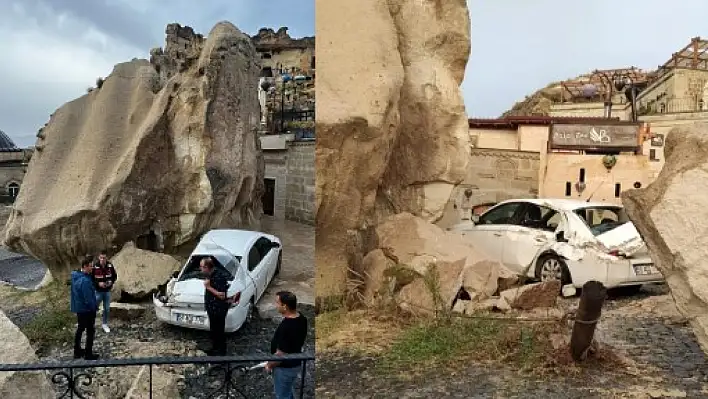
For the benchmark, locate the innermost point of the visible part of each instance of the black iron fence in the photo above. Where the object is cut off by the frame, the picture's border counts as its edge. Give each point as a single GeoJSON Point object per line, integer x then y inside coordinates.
{"type": "Point", "coordinates": [73, 379]}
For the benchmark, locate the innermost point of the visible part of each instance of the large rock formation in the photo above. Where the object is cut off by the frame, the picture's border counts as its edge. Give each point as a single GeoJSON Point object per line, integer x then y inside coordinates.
{"type": "Point", "coordinates": [166, 146]}
{"type": "Point", "coordinates": [672, 216]}
{"type": "Point", "coordinates": [16, 348]}
{"type": "Point", "coordinates": [391, 123]}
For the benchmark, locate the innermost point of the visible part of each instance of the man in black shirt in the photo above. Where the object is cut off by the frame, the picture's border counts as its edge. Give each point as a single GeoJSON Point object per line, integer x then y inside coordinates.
{"type": "Point", "coordinates": [216, 304]}
{"type": "Point", "coordinates": [289, 338]}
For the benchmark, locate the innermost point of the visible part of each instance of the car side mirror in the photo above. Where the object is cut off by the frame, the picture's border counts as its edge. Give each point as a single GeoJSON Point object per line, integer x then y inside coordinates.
{"type": "Point", "coordinates": [175, 274]}
{"type": "Point", "coordinates": [560, 237]}
{"type": "Point", "coordinates": [474, 219]}
{"type": "Point", "coordinates": [274, 245]}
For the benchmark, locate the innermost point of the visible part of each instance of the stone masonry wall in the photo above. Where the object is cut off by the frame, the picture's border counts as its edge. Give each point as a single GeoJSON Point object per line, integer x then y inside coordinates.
{"type": "Point", "coordinates": [300, 186]}
{"type": "Point", "coordinates": [493, 176]}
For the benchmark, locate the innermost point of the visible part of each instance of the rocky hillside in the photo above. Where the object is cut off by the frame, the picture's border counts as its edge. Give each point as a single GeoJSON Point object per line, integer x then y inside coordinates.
{"type": "Point", "coordinates": [538, 103]}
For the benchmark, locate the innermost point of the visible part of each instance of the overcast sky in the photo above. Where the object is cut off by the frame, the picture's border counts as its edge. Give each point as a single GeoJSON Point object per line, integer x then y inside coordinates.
{"type": "Point", "coordinates": [52, 50]}
{"type": "Point", "coordinates": [519, 46]}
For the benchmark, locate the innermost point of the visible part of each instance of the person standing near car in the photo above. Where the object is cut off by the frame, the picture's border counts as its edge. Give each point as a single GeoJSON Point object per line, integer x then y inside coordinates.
{"type": "Point", "coordinates": [289, 338]}
{"type": "Point", "coordinates": [104, 276]}
{"type": "Point", "coordinates": [84, 305]}
{"type": "Point", "coordinates": [217, 304]}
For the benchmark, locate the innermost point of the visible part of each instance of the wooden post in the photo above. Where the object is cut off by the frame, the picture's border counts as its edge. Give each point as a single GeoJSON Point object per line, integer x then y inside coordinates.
{"type": "Point", "coordinates": [591, 300]}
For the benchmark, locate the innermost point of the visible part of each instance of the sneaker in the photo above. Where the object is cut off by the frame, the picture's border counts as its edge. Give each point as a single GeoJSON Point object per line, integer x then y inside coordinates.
{"type": "Point", "coordinates": [105, 328]}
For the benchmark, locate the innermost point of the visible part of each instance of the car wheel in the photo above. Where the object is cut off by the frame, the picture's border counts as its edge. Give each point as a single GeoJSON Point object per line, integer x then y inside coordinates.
{"type": "Point", "coordinates": [277, 266]}
{"type": "Point", "coordinates": [252, 312]}
{"type": "Point", "coordinates": [552, 267]}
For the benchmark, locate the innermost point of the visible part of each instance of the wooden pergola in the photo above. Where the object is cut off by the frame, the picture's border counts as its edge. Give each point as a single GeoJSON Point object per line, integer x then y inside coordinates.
{"type": "Point", "coordinates": [693, 56]}
{"type": "Point", "coordinates": [602, 81]}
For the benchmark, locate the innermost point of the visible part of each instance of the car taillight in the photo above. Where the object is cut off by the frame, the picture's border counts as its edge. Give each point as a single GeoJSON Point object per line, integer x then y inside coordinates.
{"type": "Point", "coordinates": [236, 299]}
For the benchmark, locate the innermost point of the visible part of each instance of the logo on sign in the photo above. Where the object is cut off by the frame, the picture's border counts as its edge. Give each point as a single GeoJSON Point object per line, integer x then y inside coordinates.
{"type": "Point", "coordinates": [599, 137]}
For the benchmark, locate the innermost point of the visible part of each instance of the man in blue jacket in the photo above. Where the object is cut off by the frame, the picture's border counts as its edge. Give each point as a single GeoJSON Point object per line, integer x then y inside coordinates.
{"type": "Point", "coordinates": [84, 304]}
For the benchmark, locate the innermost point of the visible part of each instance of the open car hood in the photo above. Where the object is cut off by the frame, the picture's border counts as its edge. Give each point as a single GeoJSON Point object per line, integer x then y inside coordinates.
{"type": "Point", "coordinates": [624, 238]}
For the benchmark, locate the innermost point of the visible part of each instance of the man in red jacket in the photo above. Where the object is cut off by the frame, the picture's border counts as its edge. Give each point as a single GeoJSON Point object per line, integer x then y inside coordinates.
{"type": "Point", "coordinates": [104, 276]}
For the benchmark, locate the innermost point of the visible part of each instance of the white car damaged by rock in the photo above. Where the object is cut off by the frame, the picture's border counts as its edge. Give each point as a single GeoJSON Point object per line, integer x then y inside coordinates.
{"type": "Point", "coordinates": [250, 258]}
{"type": "Point", "coordinates": [560, 239]}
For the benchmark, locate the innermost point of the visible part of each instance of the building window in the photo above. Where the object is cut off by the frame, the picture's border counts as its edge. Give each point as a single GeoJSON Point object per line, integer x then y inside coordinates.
{"type": "Point", "coordinates": [13, 189]}
{"type": "Point", "coordinates": [662, 108]}
{"type": "Point", "coordinates": [267, 56]}
{"type": "Point", "coordinates": [568, 187]}
{"type": "Point", "coordinates": [652, 155]}
{"type": "Point", "coordinates": [701, 105]}
{"type": "Point", "coordinates": [582, 175]}
{"type": "Point", "coordinates": [618, 190]}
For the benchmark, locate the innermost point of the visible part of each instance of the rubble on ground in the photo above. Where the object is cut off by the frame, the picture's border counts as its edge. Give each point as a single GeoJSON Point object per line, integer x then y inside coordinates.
{"type": "Point", "coordinates": [532, 296]}
{"type": "Point", "coordinates": [161, 152]}
{"type": "Point", "coordinates": [392, 132]}
{"type": "Point", "coordinates": [428, 265]}
{"type": "Point", "coordinates": [672, 216]}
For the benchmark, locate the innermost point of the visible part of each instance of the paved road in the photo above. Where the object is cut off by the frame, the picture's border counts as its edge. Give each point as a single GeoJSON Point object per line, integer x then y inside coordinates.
{"type": "Point", "coordinates": [20, 270]}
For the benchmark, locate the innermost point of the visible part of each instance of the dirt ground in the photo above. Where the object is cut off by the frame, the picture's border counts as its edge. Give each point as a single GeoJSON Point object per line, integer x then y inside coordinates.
{"type": "Point", "coordinates": [654, 352]}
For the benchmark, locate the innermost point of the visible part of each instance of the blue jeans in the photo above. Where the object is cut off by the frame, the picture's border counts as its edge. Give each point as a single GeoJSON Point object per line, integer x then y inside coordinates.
{"type": "Point", "coordinates": [284, 381]}
{"type": "Point", "coordinates": [105, 298]}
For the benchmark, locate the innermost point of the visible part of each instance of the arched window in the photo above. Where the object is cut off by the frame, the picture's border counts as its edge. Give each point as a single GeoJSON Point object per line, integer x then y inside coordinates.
{"type": "Point", "coordinates": [13, 189]}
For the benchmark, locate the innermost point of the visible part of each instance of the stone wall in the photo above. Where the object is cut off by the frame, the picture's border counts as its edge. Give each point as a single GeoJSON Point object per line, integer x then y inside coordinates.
{"type": "Point", "coordinates": [494, 176]}
{"type": "Point", "coordinates": [300, 186]}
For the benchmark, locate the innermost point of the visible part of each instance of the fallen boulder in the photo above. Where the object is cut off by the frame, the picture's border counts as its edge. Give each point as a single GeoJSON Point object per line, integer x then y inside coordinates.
{"type": "Point", "coordinates": [140, 272]}
{"type": "Point", "coordinates": [671, 214]}
{"type": "Point", "coordinates": [431, 266]}
{"type": "Point", "coordinates": [127, 311]}
{"type": "Point", "coordinates": [161, 152]}
{"type": "Point", "coordinates": [392, 131]}
{"type": "Point", "coordinates": [532, 296]}
{"type": "Point", "coordinates": [16, 348]}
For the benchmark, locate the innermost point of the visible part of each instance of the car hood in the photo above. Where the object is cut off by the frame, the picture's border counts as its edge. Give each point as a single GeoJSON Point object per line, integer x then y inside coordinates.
{"type": "Point", "coordinates": [625, 239]}
{"type": "Point", "coordinates": [188, 291]}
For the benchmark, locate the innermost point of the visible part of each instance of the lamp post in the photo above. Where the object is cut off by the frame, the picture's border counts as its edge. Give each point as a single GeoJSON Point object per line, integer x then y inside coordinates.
{"type": "Point", "coordinates": [630, 91]}
{"type": "Point", "coordinates": [619, 81]}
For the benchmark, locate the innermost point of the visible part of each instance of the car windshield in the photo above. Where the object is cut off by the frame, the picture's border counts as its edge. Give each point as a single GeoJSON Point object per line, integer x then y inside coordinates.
{"type": "Point", "coordinates": [601, 219]}
{"type": "Point", "coordinates": [192, 270]}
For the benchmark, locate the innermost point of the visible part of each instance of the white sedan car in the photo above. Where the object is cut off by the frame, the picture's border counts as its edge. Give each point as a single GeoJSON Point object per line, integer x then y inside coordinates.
{"type": "Point", "coordinates": [569, 240]}
{"type": "Point", "coordinates": [251, 259]}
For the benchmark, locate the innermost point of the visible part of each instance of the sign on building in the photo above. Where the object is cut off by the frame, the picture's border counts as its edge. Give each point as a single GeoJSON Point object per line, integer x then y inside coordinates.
{"type": "Point", "coordinates": [609, 137]}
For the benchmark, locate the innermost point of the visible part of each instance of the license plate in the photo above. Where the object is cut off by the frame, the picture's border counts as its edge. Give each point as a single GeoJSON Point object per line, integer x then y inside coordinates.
{"type": "Point", "coordinates": [190, 319]}
{"type": "Point", "coordinates": [645, 270]}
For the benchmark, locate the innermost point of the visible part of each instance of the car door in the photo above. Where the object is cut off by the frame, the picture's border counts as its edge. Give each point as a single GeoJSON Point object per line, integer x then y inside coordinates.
{"type": "Point", "coordinates": [487, 234]}
{"type": "Point", "coordinates": [257, 270]}
{"type": "Point", "coordinates": [531, 233]}
{"type": "Point", "coordinates": [269, 256]}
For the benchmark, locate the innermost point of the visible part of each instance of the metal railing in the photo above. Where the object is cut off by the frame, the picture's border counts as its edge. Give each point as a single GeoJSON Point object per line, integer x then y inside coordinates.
{"type": "Point", "coordinates": [73, 378]}
{"type": "Point", "coordinates": [672, 106]}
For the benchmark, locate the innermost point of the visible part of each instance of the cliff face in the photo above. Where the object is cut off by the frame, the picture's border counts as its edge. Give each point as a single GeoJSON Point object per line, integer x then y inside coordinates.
{"type": "Point", "coordinates": [268, 38]}
{"type": "Point", "coordinates": [166, 146]}
{"type": "Point", "coordinates": [391, 124]}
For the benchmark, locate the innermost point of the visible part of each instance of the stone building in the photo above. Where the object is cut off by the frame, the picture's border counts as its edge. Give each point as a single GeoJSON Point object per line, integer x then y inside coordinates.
{"type": "Point", "coordinates": [287, 96]}
{"type": "Point", "coordinates": [13, 163]}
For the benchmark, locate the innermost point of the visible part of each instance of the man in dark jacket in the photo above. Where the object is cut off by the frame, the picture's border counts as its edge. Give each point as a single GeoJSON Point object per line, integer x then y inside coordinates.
{"type": "Point", "coordinates": [104, 276]}
{"type": "Point", "coordinates": [216, 304]}
{"type": "Point", "coordinates": [289, 338]}
{"type": "Point", "coordinates": [84, 304]}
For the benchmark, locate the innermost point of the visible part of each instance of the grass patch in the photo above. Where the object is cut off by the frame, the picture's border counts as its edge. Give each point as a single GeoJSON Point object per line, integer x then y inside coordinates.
{"type": "Point", "coordinates": [55, 323]}
{"type": "Point", "coordinates": [446, 343]}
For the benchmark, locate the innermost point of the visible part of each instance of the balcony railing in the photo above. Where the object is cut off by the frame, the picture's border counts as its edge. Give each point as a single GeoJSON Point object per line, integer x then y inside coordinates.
{"type": "Point", "coordinates": [672, 106]}
{"type": "Point", "coordinates": [73, 379]}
